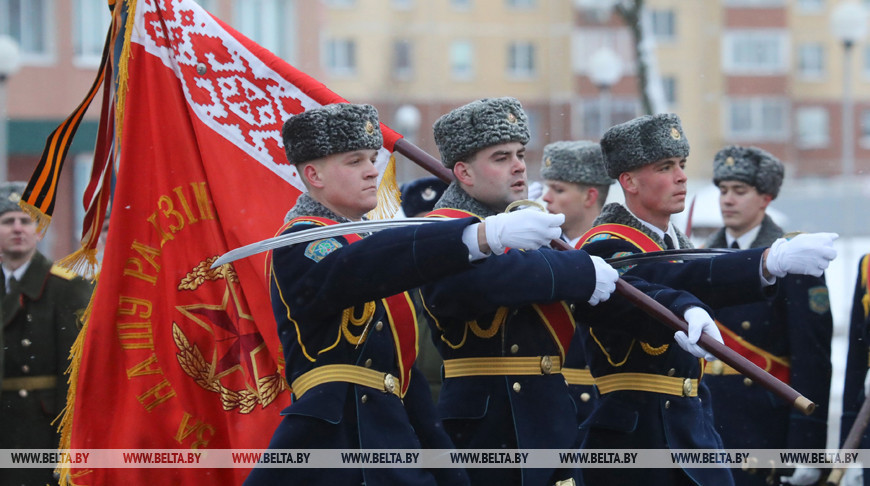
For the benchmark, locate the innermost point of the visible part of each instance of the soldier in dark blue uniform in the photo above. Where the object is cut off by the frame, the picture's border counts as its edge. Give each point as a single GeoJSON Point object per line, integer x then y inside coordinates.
{"type": "Point", "coordinates": [577, 186]}
{"type": "Point", "coordinates": [346, 325]}
{"type": "Point", "coordinates": [651, 398]}
{"type": "Point", "coordinates": [41, 305]}
{"type": "Point", "coordinates": [503, 328]}
{"type": "Point", "coordinates": [857, 379]}
{"type": "Point", "coordinates": [789, 336]}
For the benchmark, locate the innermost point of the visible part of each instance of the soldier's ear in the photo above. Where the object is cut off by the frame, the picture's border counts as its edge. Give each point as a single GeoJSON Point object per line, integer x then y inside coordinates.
{"type": "Point", "coordinates": [628, 182]}
{"type": "Point", "coordinates": [312, 175]}
{"type": "Point", "coordinates": [463, 173]}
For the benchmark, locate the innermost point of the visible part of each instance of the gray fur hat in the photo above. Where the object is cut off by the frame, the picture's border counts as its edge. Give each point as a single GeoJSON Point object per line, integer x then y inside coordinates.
{"type": "Point", "coordinates": [580, 162]}
{"type": "Point", "coordinates": [478, 125]}
{"type": "Point", "coordinates": [642, 141]}
{"type": "Point", "coordinates": [10, 194]}
{"type": "Point", "coordinates": [331, 129]}
{"type": "Point", "coordinates": [751, 165]}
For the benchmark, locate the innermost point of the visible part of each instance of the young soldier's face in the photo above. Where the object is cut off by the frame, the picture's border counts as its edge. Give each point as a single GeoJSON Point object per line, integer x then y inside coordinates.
{"type": "Point", "coordinates": [570, 199]}
{"type": "Point", "coordinates": [742, 205]}
{"type": "Point", "coordinates": [349, 182]}
{"type": "Point", "coordinates": [18, 236]}
{"type": "Point", "coordinates": [661, 186]}
{"type": "Point", "coordinates": [496, 175]}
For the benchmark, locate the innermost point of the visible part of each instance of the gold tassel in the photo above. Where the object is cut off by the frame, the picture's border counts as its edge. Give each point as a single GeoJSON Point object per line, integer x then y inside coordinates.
{"type": "Point", "coordinates": [123, 72]}
{"type": "Point", "coordinates": [82, 261]}
{"type": "Point", "coordinates": [389, 195]}
{"type": "Point", "coordinates": [41, 219]}
{"type": "Point", "coordinates": [66, 415]}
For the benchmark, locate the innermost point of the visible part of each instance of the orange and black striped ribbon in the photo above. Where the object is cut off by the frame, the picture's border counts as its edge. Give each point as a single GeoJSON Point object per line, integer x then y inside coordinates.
{"type": "Point", "coordinates": [41, 192]}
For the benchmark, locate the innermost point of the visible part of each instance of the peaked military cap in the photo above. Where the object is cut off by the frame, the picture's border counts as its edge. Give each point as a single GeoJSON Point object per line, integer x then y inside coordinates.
{"type": "Point", "coordinates": [579, 162]}
{"type": "Point", "coordinates": [10, 194]}
{"type": "Point", "coordinates": [478, 125]}
{"type": "Point", "coordinates": [421, 195]}
{"type": "Point", "coordinates": [642, 141]}
{"type": "Point", "coordinates": [331, 129]}
{"type": "Point", "coordinates": [751, 165]}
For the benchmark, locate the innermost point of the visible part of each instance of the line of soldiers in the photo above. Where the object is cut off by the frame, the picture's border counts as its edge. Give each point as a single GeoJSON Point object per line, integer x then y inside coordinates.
{"type": "Point", "coordinates": [523, 330]}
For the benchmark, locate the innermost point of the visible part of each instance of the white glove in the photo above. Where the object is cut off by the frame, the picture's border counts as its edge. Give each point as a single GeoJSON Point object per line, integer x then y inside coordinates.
{"type": "Point", "coordinates": [526, 229]}
{"type": "Point", "coordinates": [802, 475]}
{"type": "Point", "coordinates": [699, 321]}
{"type": "Point", "coordinates": [805, 254]}
{"type": "Point", "coordinates": [605, 280]}
{"type": "Point", "coordinates": [867, 384]}
{"type": "Point", "coordinates": [536, 190]}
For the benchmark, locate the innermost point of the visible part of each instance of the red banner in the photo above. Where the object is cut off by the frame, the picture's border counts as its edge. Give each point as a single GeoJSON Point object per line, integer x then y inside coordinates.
{"type": "Point", "coordinates": [174, 354]}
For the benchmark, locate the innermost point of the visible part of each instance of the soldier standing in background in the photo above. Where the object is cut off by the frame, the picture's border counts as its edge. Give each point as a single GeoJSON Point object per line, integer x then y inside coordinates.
{"type": "Point", "coordinates": [577, 186]}
{"type": "Point", "coordinates": [856, 388]}
{"type": "Point", "coordinates": [41, 305]}
{"type": "Point", "coordinates": [791, 333]}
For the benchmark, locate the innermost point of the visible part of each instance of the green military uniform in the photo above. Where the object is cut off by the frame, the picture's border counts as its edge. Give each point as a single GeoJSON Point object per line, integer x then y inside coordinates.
{"type": "Point", "coordinates": [40, 323]}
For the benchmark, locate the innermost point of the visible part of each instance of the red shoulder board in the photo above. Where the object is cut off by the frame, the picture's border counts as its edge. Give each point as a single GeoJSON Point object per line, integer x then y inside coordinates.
{"type": "Point", "coordinates": [451, 213]}
{"type": "Point", "coordinates": [619, 231]}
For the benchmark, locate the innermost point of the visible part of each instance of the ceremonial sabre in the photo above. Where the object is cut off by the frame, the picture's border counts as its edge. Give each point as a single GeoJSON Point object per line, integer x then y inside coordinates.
{"type": "Point", "coordinates": [853, 440]}
{"type": "Point", "coordinates": [317, 233]}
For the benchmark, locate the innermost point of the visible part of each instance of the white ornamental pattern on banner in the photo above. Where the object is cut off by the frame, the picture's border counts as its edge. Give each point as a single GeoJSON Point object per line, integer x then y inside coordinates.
{"type": "Point", "coordinates": [229, 88]}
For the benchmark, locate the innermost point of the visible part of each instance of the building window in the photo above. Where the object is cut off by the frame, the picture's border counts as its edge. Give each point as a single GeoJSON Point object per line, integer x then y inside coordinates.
{"type": "Point", "coordinates": [460, 4]}
{"type": "Point", "coordinates": [811, 61]}
{"type": "Point", "coordinates": [520, 3]}
{"type": "Point", "coordinates": [31, 24]}
{"type": "Point", "coordinates": [461, 60]}
{"type": "Point", "coordinates": [403, 66]}
{"type": "Point", "coordinates": [865, 128]}
{"type": "Point", "coordinates": [91, 19]}
{"type": "Point", "coordinates": [269, 23]}
{"type": "Point", "coordinates": [664, 25]}
{"type": "Point", "coordinates": [340, 3]}
{"type": "Point", "coordinates": [593, 120]}
{"type": "Point", "coordinates": [340, 56]}
{"type": "Point", "coordinates": [208, 5]}
{"type": "Point", "coordinates": [756, 52]}
{"type": "Point", "coordinates": [758, 119]}
{"type": "Point", "coordinates": [521, 59]}
{"type": "Point", "coordinates": [812, 127]}
{"type": "Point", "coordinates": [811, 5]}
{"type": "Point", "coordinates": [669, 86]}
{"type": "Point", "coordinates": [754, 3]}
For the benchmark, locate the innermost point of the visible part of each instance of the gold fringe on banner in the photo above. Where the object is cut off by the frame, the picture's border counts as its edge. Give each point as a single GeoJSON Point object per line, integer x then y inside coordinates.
{"type": "Point", "coordinates": [66, 415]}
{"type": "Point", "coordinates": [389, 195]}
{"type": "Point", "coordinates": [123, 73]}
{"type": "Point", "coordinates": [41, 219]}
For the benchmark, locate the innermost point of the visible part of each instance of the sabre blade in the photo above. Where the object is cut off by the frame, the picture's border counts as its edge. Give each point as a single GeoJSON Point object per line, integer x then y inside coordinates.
{"type": "Point", "coordinates": [317, 233]}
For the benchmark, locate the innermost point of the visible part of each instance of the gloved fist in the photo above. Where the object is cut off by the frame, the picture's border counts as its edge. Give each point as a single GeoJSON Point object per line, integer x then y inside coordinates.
{"type": "Point", "coordinates": [699, 321]}
{"type": "Point", "coordinates": [526, 229]}
{"type": "Point", "coordinates": [605, 280]}
{"type": "Point", "coordinates": [805, 254]}
{"type": "Point", "coordinates": [802, 475]}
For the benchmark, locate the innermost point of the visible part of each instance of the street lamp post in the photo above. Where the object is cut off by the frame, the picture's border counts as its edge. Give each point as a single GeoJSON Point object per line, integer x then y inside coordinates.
{"type": "Point", "coordinates": [408, 119]}
{"type": "Point", "coordinates": [848, 25]}
{"type": "Point", "coordinates": [9, 63]}
{"type": "Point", "coordinates": [605, 69]}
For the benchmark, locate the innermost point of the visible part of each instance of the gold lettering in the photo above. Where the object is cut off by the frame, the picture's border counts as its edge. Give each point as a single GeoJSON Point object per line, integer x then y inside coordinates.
{"type": "Point", "coordinates": [135, 335]}
{"type": "Point", "coordinates": [134, 304]}
{"type": "Point", "coordinates": [169, 210]}
{"type": "Point", "coordinates": [144, 368]}
{"type": "Point", "coordinates": [149, 254]}
{"type": "Point", "coordinates": [157, 395]}
{"type": "Point", "coordinates": [199, 428]}
{"type": "Point", "coordinates": [202, 201]}
{"type": "Point", "coordinates": [164, 236]}
{"type": "Point", "coordinates": [183, 201]}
